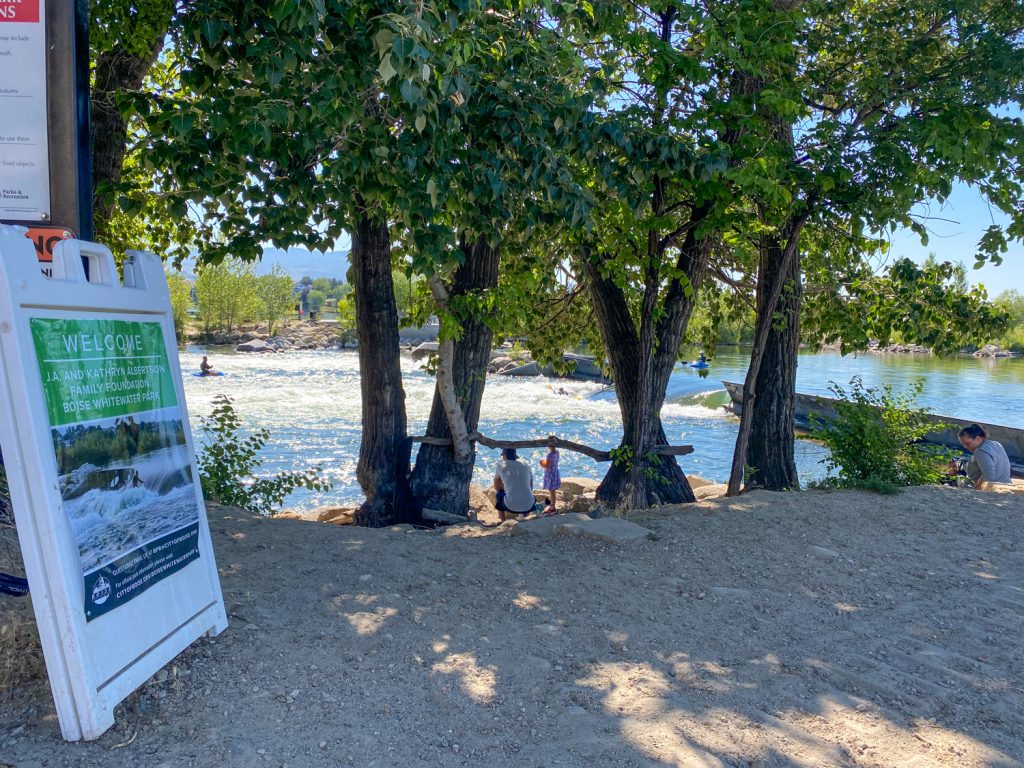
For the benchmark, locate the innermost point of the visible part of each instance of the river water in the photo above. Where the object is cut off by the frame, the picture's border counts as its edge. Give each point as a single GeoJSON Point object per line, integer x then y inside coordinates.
{"type": "Point", "coordinates": [310, 403]}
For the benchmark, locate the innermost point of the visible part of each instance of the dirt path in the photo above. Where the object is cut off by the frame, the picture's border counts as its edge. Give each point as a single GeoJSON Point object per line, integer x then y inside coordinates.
{"type": "Point", "coordinates": [806, 629]}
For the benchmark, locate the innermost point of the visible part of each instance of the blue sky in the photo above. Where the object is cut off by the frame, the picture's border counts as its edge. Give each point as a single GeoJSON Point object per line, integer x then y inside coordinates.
{"type": "Point", "coordinates": [954, 230]}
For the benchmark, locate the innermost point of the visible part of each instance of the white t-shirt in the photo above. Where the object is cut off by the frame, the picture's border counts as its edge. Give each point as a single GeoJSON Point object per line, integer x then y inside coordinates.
{"type": "Point", "coordinates": [517, 478]}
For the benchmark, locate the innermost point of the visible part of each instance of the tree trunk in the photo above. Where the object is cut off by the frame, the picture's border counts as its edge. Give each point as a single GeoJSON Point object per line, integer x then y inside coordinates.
{"type": "Point", "coordinates": [383, 467]}
{"type": "Point", "coordinates": [666, 483]}
{"type": "Point", "coordinates": [786, 259]}
{"type": "Point", "coordinates": [770, 451]}
{"type": "Point", "coordinates": [439, 481]}
{"type": "Point", "coordinates": [116, 71]}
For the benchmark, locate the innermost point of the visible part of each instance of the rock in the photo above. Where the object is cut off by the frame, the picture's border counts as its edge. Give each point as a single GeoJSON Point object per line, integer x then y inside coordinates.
{"type": "Point", "coordinates": [1015, 486]}
{"type": "Point", "coordinates": [296, 514]}
{"type": "Point", "coordinates": [526, 369]}
{"type": "Point", "coordinates": [402, 528]}
{"type": "Point", "coordinates": [696, 481]}
{"type": "Point", "coordinates": [498, 364]}
{"type": "Point", "coordinates": [992, 350]}
{"type": "Point", "coordinates": [826, 552]}
{"type": "Point", "coordinates": [613, 529]}
{"type": "Point", "coordinates": [575, 486]}
{"type": "Point", "coordinates": [256, 345]}
{"type": "Point", "coordinates": [336, 515]}
{"type": "Point", "coordinates": [714, 491]}
{"type": "Point", "coordinates": [585, 502]}
{"type": "Point", "coordinates": [424, 350]}
{"type": "Point", "coordinates": [482, 500]}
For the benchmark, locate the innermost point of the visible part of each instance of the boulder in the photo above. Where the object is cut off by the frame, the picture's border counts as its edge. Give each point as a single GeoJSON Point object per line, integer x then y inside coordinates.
{"type": "Point", "coordinates": [575, 486]}
{"type": "Point", "coordinates": [256, 345]}
{"type": "Point", "coordinates": [425, 349]}
{"type": "Point", "coordinates": [481, 501]}
{"type": "Point", "coordinates": [526, 369]}
{"type": "Point", "coordinates": [713, 491]}
{"type": "Point", "coordinates": [498, 363]}
{"type": "Point", "coordinates": [1015, 486]}
{"type": "Point", "coordinates": [336, 515]}
{"type": "Point", "coordinates": [696, 481]}
{"type": "Point", "coordinates": [584, 502]}
{"type": "Point", "coordinates": [991, 350]}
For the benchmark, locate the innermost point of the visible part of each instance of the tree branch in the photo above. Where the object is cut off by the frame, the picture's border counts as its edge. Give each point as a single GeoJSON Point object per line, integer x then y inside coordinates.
{"type": "Point", "coordinates": [445, 383]}
{"type": "Point", "coordinates": [595, 453]}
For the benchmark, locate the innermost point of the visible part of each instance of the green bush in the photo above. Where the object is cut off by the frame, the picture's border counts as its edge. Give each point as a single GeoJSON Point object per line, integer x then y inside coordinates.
{"type": "Point", "coordinates": [874, 439]}
{"type": "Point", "coordinates": [228, 463]}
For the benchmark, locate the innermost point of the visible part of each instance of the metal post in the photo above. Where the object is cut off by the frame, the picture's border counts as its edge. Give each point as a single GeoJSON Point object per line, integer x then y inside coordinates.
{"type": "Point", "coordinates": [67, 65]}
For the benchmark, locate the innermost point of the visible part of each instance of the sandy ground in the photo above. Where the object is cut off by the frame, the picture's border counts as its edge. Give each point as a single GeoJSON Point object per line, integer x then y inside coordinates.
{"type": "Point", "coordinates": [808, 629]}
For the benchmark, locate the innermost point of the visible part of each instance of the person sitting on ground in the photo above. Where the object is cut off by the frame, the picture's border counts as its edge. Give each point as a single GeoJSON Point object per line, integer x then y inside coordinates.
{"type": "Point", "coordinates": [552, 478]}
{"type": "Point", "coordinates": [205, 368]}
{"type": "Point", "coordinates": [989, 462]}
{"type": "Point", "coordinates": [513, 481]}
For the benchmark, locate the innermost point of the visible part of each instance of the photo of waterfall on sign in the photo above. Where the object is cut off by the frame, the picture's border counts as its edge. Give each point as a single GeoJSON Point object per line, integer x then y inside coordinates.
{"type": "Point", "coordinates": [125, 482]}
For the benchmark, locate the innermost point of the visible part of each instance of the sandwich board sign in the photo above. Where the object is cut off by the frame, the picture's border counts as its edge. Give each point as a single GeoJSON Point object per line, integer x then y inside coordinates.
{"type": "Point", "coordinates": [102, 473]}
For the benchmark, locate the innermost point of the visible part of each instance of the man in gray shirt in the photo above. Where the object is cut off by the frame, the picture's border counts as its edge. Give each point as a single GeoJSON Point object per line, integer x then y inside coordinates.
{"type": "Point", "coordinates": [989, 462]}
{"type": "Point", "coordinates": [513, 481]}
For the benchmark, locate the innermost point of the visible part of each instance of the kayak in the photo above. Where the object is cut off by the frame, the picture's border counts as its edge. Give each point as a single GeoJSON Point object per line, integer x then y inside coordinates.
{"type": "Point", "coordinates": [700, 365]}
{"type": "Point", "coordinates": [205, 375]}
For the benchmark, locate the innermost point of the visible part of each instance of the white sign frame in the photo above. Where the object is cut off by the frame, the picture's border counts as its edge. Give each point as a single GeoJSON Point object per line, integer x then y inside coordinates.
{"type": "Point", "coordinates": [92, 665]}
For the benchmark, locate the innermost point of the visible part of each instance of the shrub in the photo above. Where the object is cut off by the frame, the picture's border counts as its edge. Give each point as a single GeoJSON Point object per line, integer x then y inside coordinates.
{"type": "Point", "coordinates": [228, 463]}
{"type": "Point", "coordinates": [874, 441]}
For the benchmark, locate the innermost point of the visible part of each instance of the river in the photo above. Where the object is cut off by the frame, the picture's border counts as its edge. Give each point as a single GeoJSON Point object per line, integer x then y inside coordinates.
{"type": "Point", "coordinates": [310, 403]}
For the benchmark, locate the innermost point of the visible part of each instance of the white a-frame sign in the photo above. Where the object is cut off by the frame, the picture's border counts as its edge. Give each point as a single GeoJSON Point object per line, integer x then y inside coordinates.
{"type": "Point", "coordinates": [101, 467]}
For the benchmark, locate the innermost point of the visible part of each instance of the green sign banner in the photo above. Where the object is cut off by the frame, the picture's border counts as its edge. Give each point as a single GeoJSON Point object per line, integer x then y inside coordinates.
{"type": "Point", "coordinates": [123, 462]}
{"type": "Point", "coordinates": [94, 369]}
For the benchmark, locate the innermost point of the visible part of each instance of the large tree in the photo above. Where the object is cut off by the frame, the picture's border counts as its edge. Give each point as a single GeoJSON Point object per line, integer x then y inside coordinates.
{"type": "Point", "coordinates": [380, 119]}
{"type": "Point", "coordinates": [680, 149]}
{"type": "Point", "coordinates": [507, 174]}
{"type": "Point", "coordinates": [886, 107]}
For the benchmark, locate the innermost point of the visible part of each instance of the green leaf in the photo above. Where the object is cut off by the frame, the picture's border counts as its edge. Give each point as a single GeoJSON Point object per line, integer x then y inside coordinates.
{"type": "Point", "coordinates": [386, 69]}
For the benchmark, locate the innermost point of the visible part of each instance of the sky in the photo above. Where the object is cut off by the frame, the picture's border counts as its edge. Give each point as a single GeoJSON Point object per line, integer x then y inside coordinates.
{"type": "Point", "coordinates": [954, 230]}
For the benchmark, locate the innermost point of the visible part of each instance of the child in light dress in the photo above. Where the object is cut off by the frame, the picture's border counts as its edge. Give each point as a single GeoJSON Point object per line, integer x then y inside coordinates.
{"type": "Point", "coordinates": [552, 480]}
